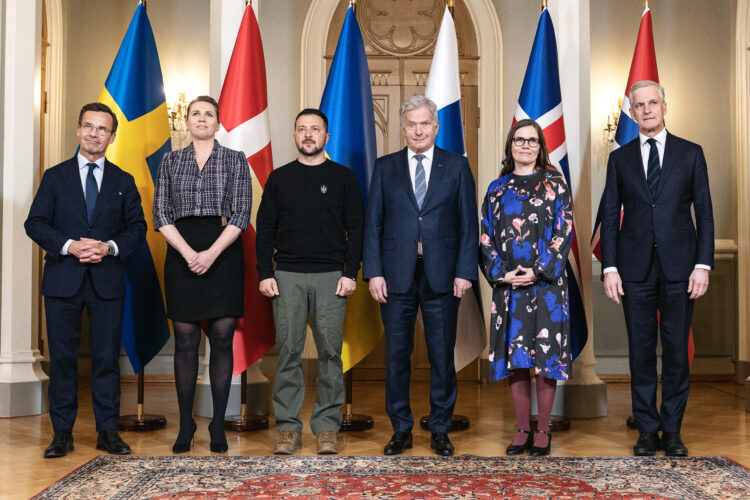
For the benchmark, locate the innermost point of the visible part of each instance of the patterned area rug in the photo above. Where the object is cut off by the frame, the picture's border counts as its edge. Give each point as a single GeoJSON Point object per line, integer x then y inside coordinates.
{"type": "Point", "coordinates": [466, 476]}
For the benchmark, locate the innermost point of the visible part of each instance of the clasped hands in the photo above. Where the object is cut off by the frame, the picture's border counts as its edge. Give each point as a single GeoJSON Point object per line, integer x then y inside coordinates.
{"type": "Point", "coordinates": [201, 262]}
{"type": "Point", "coordinates": [520, 276]}
{"type": "Point", "coordinates": [88, 250]}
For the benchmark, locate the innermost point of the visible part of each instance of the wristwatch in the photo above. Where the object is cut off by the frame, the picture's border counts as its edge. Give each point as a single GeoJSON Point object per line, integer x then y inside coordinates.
{"type": "Point", "coordinates": [110, 249]}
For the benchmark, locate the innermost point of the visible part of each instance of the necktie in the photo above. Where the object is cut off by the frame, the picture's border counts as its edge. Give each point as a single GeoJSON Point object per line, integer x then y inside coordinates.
{"type": "Point", "coordinates": [420, 185]}
{"type": "Point", "coordinates": [653, 173]}
{"type": "Point", "coordinates": [92, 190]}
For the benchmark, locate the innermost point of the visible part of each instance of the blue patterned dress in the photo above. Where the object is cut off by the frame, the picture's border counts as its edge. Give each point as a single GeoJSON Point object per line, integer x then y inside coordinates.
{"type": "Point", "coordinates": [528, 221]}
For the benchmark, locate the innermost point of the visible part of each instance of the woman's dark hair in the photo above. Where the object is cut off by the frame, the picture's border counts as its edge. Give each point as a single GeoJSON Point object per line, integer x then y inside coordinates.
{"type": "Point", "coordinates": [204, 98]}
{"type": "Point", "coordinates": [542, 159]}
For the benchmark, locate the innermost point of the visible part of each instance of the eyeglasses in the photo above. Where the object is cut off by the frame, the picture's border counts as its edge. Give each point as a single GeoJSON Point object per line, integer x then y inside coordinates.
{"type": "Point", "coordinates": [88, 127]}
{"type": "Point", "coordinates": [424, 125]}
{"type": "Point", "coordinates": [531, 141]}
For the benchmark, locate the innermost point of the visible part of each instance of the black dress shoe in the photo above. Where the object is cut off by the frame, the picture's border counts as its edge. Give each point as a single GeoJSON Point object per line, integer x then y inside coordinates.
{"type": "Point", "coordinates": [62, 443]}
{"type": "Point", "coordinates": [518, 449]}
{"type": "Point", "coordinates": [441, 444]}
{"type": "Point", "coordinates": [538, 451]}
{"type": "Point", "coordinates": [399, 442]}
{"type": "Point", "coordinates": [184, 446]}
{"type": "Point", "coordinates": [110, 442]}
{"type": "Point", "coordinates": [672, 445]}
{"type": "Point", "coordinates": [648, 443]}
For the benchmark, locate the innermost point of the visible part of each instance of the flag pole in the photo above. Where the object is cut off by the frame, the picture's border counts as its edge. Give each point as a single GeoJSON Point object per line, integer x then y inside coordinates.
{"type": "Point", "coordinates": [353, 421]}
{"type": "Point", "coordinates": [244, 422]}
{"type": "Point", "coordinates": [451, 6]}
{"type": "Point", "coordinates": [544, 5]}
{"type": "Point", "coordinates": [141, 421]}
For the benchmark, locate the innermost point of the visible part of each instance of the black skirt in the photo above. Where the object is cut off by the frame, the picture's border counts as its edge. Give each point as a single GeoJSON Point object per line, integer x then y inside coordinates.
{"type": "Point", "coordinates": [217, 293]}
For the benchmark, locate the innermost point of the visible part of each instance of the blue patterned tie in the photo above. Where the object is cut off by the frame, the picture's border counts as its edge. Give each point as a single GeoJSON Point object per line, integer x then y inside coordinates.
{"type": "Point", "coordinates": [420, 185]}
{"type": "Point", "coordinates": [92, 190]}
{"type": "Point", "coordinates": [654, 172]}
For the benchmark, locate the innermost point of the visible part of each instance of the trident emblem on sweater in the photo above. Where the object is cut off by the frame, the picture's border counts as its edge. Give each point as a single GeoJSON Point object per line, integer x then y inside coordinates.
{"type": "Point", "coordinates": [323, 188]}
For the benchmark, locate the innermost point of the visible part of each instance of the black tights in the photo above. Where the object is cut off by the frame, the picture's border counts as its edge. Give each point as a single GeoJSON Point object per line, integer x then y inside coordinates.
{"type": "Point", "coordinates": [187, 337]}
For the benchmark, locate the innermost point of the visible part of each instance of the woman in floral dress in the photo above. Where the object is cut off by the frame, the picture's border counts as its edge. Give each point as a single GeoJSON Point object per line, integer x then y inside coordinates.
{"type": "Point", "coordinates": [527, 221]}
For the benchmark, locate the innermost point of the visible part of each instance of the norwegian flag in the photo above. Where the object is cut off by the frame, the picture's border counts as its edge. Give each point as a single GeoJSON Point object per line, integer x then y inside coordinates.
{"type": "Point", "coordinates": [243, 109]}
{"type": "Point", "coordinates": [643, 67]}
{"type": "Point", "coordinates": [541, 101]}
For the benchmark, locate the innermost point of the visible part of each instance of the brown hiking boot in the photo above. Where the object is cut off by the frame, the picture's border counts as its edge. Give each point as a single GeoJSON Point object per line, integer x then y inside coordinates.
{"type": "Point", "coordinates": [327, 444]}
{"type": "Point", "coordinates": [287, 443]}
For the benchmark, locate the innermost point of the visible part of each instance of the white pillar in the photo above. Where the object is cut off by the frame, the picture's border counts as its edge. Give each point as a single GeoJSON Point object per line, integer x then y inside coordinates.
{"type": "Point", "coordinates": [22, 381]}
{"type": "Point", "coordinates": [225, 20]}
{"type": "Point", "coordinates": [584, 395]}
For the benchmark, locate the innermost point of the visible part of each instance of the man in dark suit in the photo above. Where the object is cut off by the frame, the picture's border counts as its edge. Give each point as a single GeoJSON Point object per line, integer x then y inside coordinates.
{"type": "Point", "coordinates": [420, 250]}
{"type": "Point", "coordinates": [657, 261]}
{"type": "Point", "coordinates": [87, 216]}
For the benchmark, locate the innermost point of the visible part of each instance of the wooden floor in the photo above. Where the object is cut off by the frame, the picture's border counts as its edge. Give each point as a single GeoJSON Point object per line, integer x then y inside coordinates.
{"type": "Point", "coordinates": [715, 424]}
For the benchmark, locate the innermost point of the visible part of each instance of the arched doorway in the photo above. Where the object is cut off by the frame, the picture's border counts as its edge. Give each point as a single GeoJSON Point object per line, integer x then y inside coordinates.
{"type": "Point", "coordinates": [399, 41]}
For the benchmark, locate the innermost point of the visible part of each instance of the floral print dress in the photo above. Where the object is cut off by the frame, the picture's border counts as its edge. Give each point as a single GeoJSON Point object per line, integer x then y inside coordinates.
{"type": "Point", "coordinates": [528, 221]}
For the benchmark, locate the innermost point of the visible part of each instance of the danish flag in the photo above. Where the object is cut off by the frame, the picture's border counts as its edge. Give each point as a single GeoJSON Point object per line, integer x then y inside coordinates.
{"type": "Point", "coordinates": [243, 110]}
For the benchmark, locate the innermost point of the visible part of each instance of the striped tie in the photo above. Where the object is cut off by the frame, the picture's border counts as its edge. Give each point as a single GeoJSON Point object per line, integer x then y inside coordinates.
{"type": "Point", "coordinates": [420, 185]}
{"type": "Point", "coordinates": [653, 173]}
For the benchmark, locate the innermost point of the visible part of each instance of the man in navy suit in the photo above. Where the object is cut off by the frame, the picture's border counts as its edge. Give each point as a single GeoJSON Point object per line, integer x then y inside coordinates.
{"type": "Point", "coordinates": [87, 216]}
{"type": "Point", "coordinates": [657, 260]}
{"type": "Point", "coordinates": [420, 250]}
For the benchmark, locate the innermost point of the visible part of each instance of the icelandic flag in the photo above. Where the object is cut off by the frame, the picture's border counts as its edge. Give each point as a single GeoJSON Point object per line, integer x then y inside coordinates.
{"type": "Point", "coordinates": [243, 107]}
{"type": "Point", "coordinates": [643, 67]}
{"type": "Point", "coordinates": [541, 101]}
{"type": "Point", "coordinates": [444, 88]}
{"type": "Point", "coordinates": [347, 102]}
{"type": "Point", "coordinates": [135, 91]}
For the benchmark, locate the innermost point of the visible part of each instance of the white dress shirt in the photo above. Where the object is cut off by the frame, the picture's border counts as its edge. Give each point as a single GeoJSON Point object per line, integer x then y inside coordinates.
{"type": "Point", "coordinates": [83, 171]}
{"type": "Point", "coordinates": [426, 164]}
{"type": "Point", "coordinates": [661, 139]}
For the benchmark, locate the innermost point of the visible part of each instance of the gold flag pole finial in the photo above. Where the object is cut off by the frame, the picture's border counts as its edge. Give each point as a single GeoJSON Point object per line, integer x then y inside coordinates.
{"type": "Point", "coordinates": [645, 4]}
{"type": "Point", "coordinates": [248, 2]}
{"type": "Point", "coordinates": [544, 4]}
{"type": "Point", "coordinates": [353, 3]}
{"type": "Point", "coordinates": [451, 6]}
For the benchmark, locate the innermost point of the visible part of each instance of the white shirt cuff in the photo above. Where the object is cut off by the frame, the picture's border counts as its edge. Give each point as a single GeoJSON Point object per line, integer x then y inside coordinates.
{"type": "Point", "coordinates": [65, 247]}
{"type": "Point", "coordinates": [609, 270]}
{"type": "Point", "coordinates": [703, 266]}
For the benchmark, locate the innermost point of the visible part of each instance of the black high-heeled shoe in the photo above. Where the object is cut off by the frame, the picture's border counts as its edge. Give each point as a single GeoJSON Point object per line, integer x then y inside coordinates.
{"type": "Point", "coordinates": [518, 449]}
{"type": "Point", "coordinates": [184, 446]}
{"type": "Point", "coordinates": [537, 451]}
{"type": "Point", "coordinates": [217, 446]}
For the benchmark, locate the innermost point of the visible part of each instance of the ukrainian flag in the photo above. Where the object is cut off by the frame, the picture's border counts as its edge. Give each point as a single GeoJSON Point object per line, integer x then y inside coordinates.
{"type": "Point", "coordinates": [135, 91]}
{"type": "Point", "coordinates": [347, 102]}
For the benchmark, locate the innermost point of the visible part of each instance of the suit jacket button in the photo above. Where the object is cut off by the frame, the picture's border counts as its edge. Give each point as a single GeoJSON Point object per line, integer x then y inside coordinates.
{"type": "Point", "coordinates": [420, 219]}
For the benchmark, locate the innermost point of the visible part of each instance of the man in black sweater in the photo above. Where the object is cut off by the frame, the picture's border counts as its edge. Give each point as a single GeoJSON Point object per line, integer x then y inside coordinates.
{"type": "Point", "coordinates": [310, 221]}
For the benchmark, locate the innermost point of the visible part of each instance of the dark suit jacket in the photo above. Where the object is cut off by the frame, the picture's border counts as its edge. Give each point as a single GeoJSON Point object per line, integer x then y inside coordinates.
{"type": "Point", "coordinates": [665, 220]}
{"type": "Point", "coordinates": [58, 213]}
{"type": "Point", "coordinates": [447, 224]}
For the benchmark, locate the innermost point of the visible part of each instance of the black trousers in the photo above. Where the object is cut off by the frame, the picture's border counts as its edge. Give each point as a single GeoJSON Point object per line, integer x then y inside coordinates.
{"type": "Point", "coordinates": [641, 303]}
{"type": "Point", "coordinates": [440, 316]}
{"type": "Point", "coordinates": [64, 339]}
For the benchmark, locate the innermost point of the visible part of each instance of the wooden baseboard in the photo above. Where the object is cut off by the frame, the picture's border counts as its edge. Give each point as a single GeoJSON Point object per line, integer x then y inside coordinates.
{"type": "Point", "coordinates": [625, 378]}
{"type": "Point", "coordinates": [151, 379]}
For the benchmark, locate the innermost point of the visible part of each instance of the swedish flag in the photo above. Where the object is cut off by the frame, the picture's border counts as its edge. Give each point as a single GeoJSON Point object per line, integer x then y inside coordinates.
{"type": "Point", "coordinates": [135, 91]}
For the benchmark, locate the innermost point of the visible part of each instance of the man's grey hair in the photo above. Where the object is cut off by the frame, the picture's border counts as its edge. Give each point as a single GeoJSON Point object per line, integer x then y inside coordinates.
{"type": "Point", "coordinates": [645, 83]}
{"type": "Point", "coordinates": [417, 102]}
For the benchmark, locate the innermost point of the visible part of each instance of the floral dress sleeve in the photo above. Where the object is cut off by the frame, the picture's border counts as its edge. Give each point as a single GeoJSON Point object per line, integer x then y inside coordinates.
{"type": "Point", "coordinates": [554, 243]}
{"type": "Point", "coordinates": [490, 256]}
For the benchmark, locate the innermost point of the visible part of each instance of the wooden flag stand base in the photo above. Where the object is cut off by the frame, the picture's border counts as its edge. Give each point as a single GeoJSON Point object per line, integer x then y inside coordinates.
{"type": "Point", "coordinates": [141, 421]}
{"type": "Point", "coordinates": [556, 423]}
{"type": "Point", "coordinates": [631, 422]}
{"type": "Point", "coordinates": [458, 423]}
{"type": "Point", "coordinates": [244, 422]}
{"type": "Point", "coordinates": [353, 421]}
